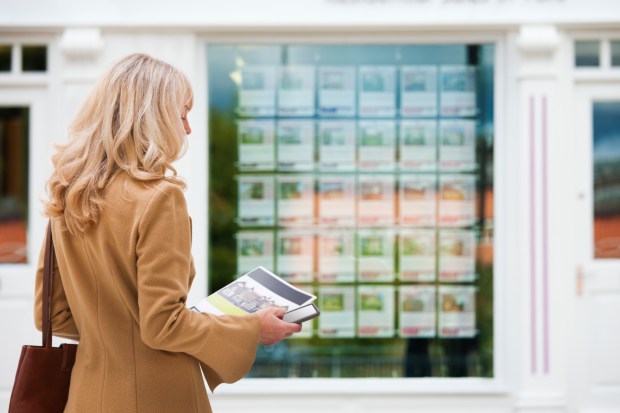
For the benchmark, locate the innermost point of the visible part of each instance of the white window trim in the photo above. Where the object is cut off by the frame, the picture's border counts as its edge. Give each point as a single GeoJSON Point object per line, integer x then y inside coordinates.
{"type": "Point", "coordinates": [503, 165]}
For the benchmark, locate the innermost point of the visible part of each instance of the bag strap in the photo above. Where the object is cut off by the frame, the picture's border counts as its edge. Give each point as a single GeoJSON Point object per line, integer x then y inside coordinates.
{"type": "Point", "coordinates": [48, 281]}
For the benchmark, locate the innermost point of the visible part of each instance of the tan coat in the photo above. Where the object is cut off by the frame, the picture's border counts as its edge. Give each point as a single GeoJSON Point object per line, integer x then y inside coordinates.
{"type": "Point", "coordinates": [120, 290]}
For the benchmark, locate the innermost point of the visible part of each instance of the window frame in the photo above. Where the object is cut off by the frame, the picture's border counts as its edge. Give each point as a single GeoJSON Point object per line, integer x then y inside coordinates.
{"type": "Point", "coordinates": [503, 173]}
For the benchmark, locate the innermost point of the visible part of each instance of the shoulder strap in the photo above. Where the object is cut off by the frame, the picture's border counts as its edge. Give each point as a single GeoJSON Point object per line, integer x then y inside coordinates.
{"type": "Point", "coordinates": [48, 280]}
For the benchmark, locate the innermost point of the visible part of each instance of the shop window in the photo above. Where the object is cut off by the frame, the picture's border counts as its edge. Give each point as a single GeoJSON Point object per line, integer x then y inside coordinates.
{"type": "Point", "coordinates": [362, 174]}
{"type": "Point", "coordinates": [34, 58]}
{"type": "Point", "coordinates": [5, 58]}
{"type": "Point", "coordinates": [606, 164]}
{"type": "Point", "coordinates": [615, 53]}
{"type": "Point", "coordinates": [587, 53]}
{"type": "Point", "coordinates": [13, 184]}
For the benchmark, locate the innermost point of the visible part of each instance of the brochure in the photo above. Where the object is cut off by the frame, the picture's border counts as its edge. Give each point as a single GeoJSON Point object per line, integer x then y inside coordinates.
{"type": "Point", "coordinates": [255, 290]}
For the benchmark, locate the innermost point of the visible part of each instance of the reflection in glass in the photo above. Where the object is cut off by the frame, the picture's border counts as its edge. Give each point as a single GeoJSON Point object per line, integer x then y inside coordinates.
{"type": "Point", "coordinates": [13, 184]}
{"type": "Point", "coordinates": [587, 53]}
{"type": "Point", "coordinates": [5, 58]}
{"type": "Point", "coordinates": [606, 159]}
{"type": "Point", "coordinates": [34, 58]}
{"type": "Point", "coordinates": [396, 151]}
{"type": "Point", "coordinates": [615, 53]}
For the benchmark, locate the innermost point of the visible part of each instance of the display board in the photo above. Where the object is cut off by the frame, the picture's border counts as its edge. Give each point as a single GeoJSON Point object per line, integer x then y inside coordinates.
{"type": "Point", "coordinates": [364, 175]}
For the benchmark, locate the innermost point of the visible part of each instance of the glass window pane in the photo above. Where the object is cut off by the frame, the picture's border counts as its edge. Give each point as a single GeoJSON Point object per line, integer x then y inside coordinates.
{"type": "Point", "coordinates": [587, 53]}
{"type": "Point", "coordinates": [13, 184]}
{"type": "Point", "coordinates": [34, 58]}
{"type": "Point", "coordinates": [363, 174]}
{"type": "Point", "coordinates": [615, 53]}
{"type": "Point", "coordinates": [5, 58]}
{"type": "Point", "coordinates": [606, 151]}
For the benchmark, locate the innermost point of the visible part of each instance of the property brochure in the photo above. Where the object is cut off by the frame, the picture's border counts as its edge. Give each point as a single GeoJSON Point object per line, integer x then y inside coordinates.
{"type": "Point", "coordinates": [337, 304]}
{"type": "Point", "coordinates": [257, 91]}
{"type": "Point", "coordinates": [256, 200]}
{"type": "Point", "coordinates": [295, 255]}
{"type": "Point", "coordinates": [457, 256]}
{"type": "Point", "coordinates": [253, 249]}
{"type": "Point", "coordinates": [456, 200]}
{"type": "Point", "coordinates": [376, 255]}
{"type": "Point", "coordinates": [416, 316]}
{"type": "Point", "coordinates": [457, 146]}
{"type": "Point", "coordinates": [296, 91]}
{"type": "Point", "coordinates": [336, 200]}
{"type": "Point", "coordinates": [253, 291]}
{"type": "Point", "coordinates": [337, 91]}
{"type": "Point", "coordinates": [458, 90]}
{"type": "Point", "coordinates": [377, 91]}
{"type": "Point", "coordinates": [418, 91]}
{"type": "Point", "coordinates": [336, 256]}
{"type": "Point", "coordinates": [418, 145]}
{"type": "Point", "coordinates": [256, 145]}
{"type": "Point", "coordinates": [417, 255]}
{"type": "Point", "coordinates": [295, 199]}
{"type": "Point", "coordinates": [376, 148]}
{"type": "Point", "coordinates": [295, 145]}
{"type": "Point", "coordinates": [375, 200]}
{"type": "Point", "coordinates": [375, 306]}
{"type": "Point", "coordinates": [417, 200]}
{"type": "Point", "coordinates": [336, 140]}
{"type": "Point", "coordinates": [457, 311]}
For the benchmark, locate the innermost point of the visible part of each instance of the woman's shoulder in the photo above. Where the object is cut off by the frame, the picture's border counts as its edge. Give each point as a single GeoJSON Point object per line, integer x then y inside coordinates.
{"type": "Point", "coordinates": [134, 191]}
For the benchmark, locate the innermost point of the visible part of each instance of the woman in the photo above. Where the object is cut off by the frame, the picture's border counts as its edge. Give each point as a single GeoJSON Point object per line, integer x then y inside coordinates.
{"type": "Point", "coordinates": [123, 263]}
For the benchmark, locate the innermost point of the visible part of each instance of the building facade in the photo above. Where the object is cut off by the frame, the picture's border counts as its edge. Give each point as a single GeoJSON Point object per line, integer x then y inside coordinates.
{"type": "Point", "coordinates": [443, 174]}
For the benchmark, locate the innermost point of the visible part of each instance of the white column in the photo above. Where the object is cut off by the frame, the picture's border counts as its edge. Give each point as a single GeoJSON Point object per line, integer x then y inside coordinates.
{"type": "Point", "coordinates": [542, 384]}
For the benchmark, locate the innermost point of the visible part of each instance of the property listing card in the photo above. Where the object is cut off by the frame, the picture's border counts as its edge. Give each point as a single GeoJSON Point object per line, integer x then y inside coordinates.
{"type": "Point", "coordinates": [296, 91]}
{"type": "Point", "coordinates": [416, 315]}
{"type": "Point", "coordinates": [337, 139]}
{"type": "Point", "coordinates": [256, 200]}
{"type": "Point", "coordinates": [257, 91]}
{"type": "Point", "coordinates": [377, 91]}
{"type": "Point", "coordinates": [418, 91]}
{"type": "Point", "coordinates": [256, 145]}
{"type": "Point", "coordinates": [376, 149]}
{"type": "Point", "coordinates": [337, 91]}
{"type": "Point", "coordinates": [376, 255]}
{"type": "Point", "coordinates": [336, 204]}
{"type": "Point", "coordinates": [337, 304]}
{"type": "Point", "coordinates": [457, 256]}
{"type": "Point", "coordinates": [336, 256]}
{"type": "Point", "coordinates": [417, 200]}
{"type": "Point", "coordinates": [457, 200]}
{"type": "Point", "coordinates": [417, 255]}
{"type": "Point", "coordinates": [295, 145]}
{"type": "Point", "coordinates": [375, 205]}
{"type": "Point", "coordinates": [457, 311]}
{"type": "Point", "coordinates": [295, 199]}
{"type": "Point", "coordinates": [457, 145]}
{"type": "Point", "coordinates": [458, 90]}
{"type": "Point", "coordinates": [295, 256]}
{"type": "Point", "coordinates": [418, 145]}
{"type": "Point", "coordinates": [254, 248]}
{"type": "Point", "coordinates": [375, 311]}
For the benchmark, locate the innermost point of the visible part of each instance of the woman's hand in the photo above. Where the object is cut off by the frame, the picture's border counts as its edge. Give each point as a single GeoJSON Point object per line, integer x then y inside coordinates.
{"type": "Point", "coordinates": [272, 328]}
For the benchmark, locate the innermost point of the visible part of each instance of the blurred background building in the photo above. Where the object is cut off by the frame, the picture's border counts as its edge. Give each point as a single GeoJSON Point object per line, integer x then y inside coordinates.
{"type": "Point", "coordinates": [443, 174]}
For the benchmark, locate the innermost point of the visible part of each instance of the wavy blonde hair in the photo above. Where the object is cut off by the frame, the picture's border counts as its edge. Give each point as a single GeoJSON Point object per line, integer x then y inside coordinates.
{"type": "Point", "coordinates": [131, 122]}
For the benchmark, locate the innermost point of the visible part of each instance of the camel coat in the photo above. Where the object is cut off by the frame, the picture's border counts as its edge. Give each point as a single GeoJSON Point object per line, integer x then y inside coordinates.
{"type": "Point", "coordinates": [120, 289]}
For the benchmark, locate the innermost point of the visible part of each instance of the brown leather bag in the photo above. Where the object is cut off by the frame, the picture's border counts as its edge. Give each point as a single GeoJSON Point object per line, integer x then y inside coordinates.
{"type": "Point", "coordinates": [44, 372]}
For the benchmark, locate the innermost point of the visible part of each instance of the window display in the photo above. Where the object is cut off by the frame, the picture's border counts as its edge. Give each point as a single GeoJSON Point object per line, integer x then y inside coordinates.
{"type": "Point", "coordinates": [362, 174]}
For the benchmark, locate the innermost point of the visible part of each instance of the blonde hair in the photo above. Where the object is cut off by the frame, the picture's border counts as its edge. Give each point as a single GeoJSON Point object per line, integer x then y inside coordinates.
{"type": "Point", "coordinates": [131, 122]}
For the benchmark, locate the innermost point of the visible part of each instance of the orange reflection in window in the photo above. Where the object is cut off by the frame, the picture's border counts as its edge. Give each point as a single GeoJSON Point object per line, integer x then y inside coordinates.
{"type": "Point", "coordinates": [607, 236]}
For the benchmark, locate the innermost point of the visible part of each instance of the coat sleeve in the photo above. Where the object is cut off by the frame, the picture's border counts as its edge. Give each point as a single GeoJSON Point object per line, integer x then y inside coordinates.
{"type": "Point", "coordinates": [63, 324]}
{"type": "Point", "coordinates": [224, 345]}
